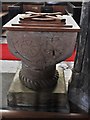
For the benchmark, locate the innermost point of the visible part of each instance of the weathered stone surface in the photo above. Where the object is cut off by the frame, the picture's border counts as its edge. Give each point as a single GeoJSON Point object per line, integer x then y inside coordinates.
{"type": "Point", "coordinates": [21, 97]}
{"type": "Point", "coordinates": [40, 52]}
{"type": "Point", "coordinates": [41, 49]}
{"type": "Point", "coordinates": [79, 88]}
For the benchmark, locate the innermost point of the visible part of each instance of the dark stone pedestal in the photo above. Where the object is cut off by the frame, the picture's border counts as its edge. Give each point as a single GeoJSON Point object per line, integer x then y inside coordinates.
{"type": "Point", "coordinates": [21, 97]}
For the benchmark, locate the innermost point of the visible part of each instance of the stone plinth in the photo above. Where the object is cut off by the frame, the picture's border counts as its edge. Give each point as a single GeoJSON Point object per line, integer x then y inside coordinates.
{"type": "Point", "coordinates": [22, 97]}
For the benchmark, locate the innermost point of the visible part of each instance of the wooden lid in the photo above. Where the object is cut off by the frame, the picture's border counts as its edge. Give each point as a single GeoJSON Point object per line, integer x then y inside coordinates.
{"type": "Point", "coordinates": [42, 26]}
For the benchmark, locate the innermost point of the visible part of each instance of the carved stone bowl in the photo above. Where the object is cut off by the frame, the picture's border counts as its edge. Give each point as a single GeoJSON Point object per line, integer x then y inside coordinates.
{"type": "Point", "coordinates": [39, 53]}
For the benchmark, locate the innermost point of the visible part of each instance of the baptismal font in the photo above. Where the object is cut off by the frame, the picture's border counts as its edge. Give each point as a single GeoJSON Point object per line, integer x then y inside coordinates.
{"type": "Point", "coordinates": [40, 40]}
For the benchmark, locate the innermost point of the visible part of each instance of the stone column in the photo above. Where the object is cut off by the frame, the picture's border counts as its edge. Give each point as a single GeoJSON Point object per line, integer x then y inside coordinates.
{"type": "Point", "coordinates": [79, 88]}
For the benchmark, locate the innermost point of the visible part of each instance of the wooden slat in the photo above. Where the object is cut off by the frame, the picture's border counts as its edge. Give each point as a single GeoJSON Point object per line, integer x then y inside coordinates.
{"type": "Point", "coordinates": [42, 25]}
{"type": "Point", "coordinates": [41, 29]}
{"type": "Point", "coordinates": [9, 114]}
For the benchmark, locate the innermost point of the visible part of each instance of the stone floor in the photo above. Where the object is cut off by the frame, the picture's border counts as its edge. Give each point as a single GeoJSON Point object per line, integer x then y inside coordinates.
{"type": "Point", "coordinates": [8, 70]}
